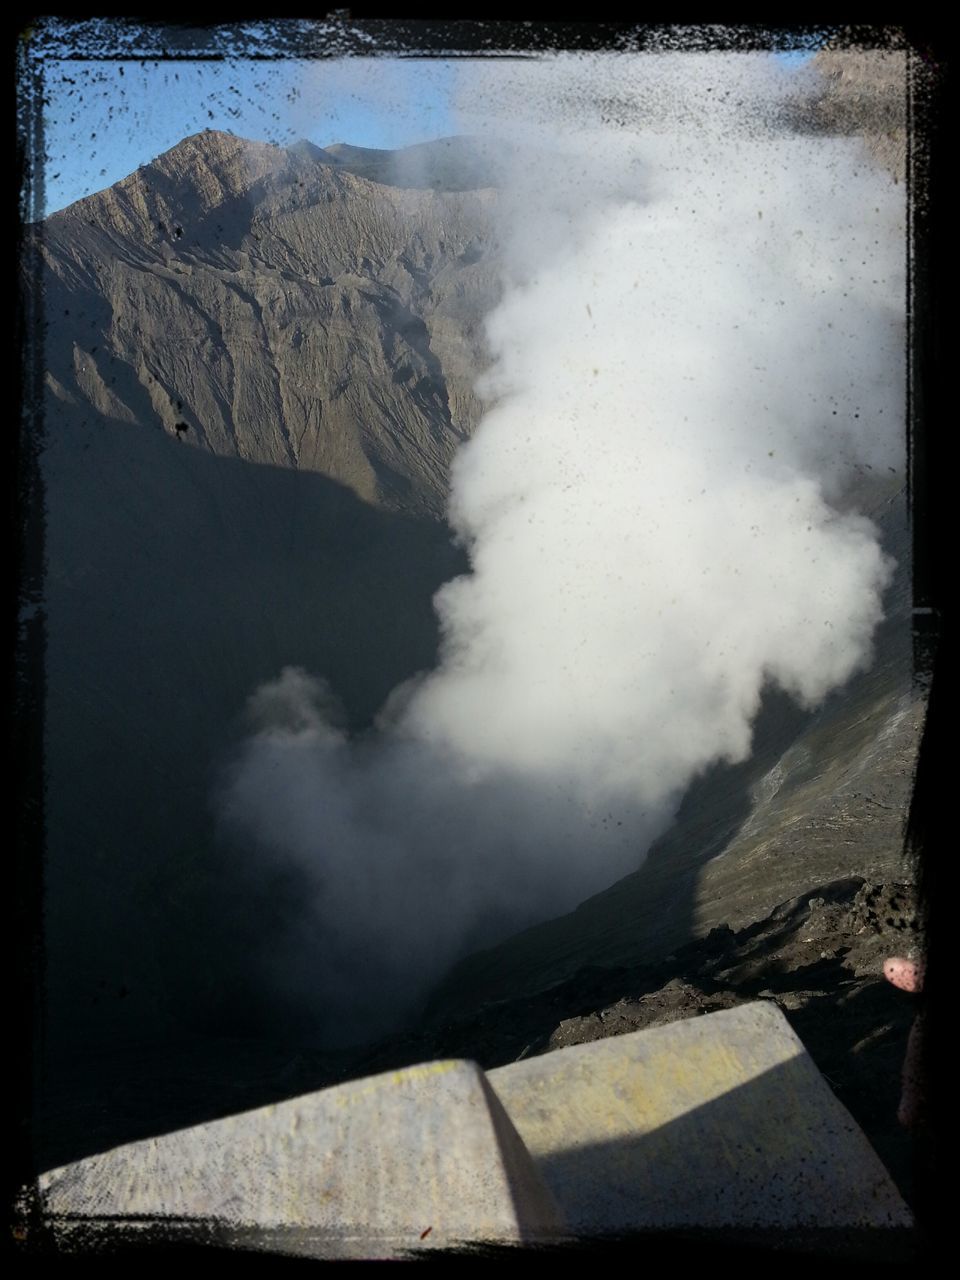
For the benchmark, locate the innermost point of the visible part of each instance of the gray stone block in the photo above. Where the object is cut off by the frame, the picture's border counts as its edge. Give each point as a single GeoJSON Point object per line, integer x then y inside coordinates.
{"type": "Point", "coordinates": [717, 1121]}
{"type": "Point", "coordinates": [406, 1160]}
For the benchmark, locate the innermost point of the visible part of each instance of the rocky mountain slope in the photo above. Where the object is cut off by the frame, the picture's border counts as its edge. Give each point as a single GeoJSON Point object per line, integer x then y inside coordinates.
{"type": "Point", "coordinates": [823, 796]}
{"type": "Point", "coordinates": [862, 92]}
{"type": "Point", "coordinates": [273, 305]}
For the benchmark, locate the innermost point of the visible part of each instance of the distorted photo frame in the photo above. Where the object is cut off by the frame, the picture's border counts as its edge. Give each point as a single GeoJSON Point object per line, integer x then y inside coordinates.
{"type": "Point", "coordinates": [111, 43]}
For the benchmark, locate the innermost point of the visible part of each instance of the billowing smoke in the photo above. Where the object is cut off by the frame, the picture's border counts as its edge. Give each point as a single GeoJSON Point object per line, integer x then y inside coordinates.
{"type": "Point", "coordinates": [698, 353]}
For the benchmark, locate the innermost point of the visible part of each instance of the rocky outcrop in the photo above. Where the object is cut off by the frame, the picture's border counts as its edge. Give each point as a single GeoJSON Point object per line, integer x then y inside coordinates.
{"type": "Point", "coordinates": [276, 306]}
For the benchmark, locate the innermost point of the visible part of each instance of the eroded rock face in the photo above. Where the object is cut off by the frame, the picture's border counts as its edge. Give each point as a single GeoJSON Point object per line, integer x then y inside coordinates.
{"type": "Point", "coordinates": [274, 306]}
{"type": "Point", "coordinates": [859, 92]}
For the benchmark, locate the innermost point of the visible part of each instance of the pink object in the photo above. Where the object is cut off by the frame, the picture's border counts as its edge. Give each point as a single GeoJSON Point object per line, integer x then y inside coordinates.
{"type": "Point", "coordinates": [905, 974]}
{"type": "Point", "coordinates": [908, 976]}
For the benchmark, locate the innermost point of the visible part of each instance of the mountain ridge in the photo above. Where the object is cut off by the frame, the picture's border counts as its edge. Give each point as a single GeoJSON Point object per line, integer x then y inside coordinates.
{"type": "Point", "coordinates": [226, 253]}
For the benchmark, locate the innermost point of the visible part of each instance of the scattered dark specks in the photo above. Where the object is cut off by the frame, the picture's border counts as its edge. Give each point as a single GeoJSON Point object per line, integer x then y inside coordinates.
{"type": "Point", "coordinates": [424, 1234]}
{"type": "Point", "coordinates": [178, 232]}
{"type": "Point", "coordinates": [161, 227]}
{"type": "Point", "coordinates": [180, 428]}
{"type": "Point", "coordinates": [589, 312]}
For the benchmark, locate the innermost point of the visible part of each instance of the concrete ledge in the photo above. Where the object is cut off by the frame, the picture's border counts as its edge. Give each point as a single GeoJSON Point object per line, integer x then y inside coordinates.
{"type": "Point", "coordinates": [714, 1122]}
{"type": "Point", "coordinates": [718, 1121]}
{"type": "Point", "coordinates": [406, 1160]}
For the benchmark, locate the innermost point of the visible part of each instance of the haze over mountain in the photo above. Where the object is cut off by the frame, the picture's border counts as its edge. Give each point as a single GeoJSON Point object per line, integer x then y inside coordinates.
{"type": "Point", "coordinates": [260, 364]}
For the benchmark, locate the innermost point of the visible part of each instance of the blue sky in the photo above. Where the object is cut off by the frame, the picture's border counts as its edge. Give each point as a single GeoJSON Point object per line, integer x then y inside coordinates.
{"type": "Point", "coordinates": [104, 118]}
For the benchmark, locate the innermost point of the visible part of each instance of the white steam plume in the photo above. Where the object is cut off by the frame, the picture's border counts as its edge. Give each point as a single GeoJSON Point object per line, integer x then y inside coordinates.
{"type": "Point", "coordinates": [699, 346]}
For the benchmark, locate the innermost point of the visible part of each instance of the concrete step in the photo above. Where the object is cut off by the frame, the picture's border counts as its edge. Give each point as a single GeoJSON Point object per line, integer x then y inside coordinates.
{"type": "Point", "coordinates": [716, 1121]}
{"type": "Point", "coordinates": [402, 1161]}
{"type": "Point", "coordinates": [721, 1121]}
